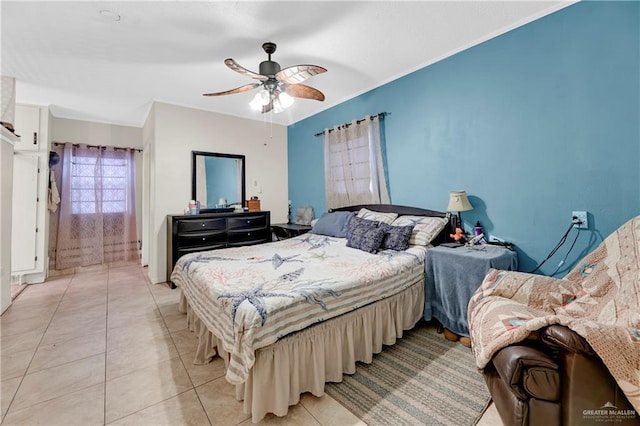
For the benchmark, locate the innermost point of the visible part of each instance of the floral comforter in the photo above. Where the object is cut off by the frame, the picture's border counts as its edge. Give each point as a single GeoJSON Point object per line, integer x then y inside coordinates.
{"type": "Point", "coordinates": [599, 300]}
{"type": "Point", "coordinates": [249, 297]}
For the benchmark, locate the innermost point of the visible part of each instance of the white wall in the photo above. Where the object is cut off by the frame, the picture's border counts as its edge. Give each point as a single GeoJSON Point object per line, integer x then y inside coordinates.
{"type": "Point", "coordinates": [6, 190]}
{"type": "Point", "coordinates": [91, 133]}
{"type": "Point", "coordinates": [175, 131]}
{"type": "Point", "coordinates": [148, 136]}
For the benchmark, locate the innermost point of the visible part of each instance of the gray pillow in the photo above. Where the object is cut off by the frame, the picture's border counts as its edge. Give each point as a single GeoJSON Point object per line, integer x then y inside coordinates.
{"type": "Point", "coordinates": [333, 224]}
{"type": "Point", "coordinates": [396, 237]}
{"type": "Point", "coordinates": [357, 222]}
{"type": "Point", "coordinates": [366, 238]}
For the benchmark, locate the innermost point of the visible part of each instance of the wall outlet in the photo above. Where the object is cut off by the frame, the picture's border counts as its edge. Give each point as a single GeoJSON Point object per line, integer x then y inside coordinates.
{"type": "Point", "coordinates": [580, 217]}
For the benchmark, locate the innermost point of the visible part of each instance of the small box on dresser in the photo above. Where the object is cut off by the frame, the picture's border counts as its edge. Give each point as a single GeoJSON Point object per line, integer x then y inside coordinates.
{"type": "Point", "coordinates": [253, 205]}
{"type": "Point", "coordinates": [208, 231]}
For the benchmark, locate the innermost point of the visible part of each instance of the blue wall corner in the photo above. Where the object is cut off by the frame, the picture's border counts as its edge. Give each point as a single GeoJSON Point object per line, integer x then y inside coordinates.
{"type": "Point", "coordinates": [533, 124]}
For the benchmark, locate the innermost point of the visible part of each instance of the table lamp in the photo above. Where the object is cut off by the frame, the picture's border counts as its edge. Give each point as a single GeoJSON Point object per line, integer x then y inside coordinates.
{"type": "Point", "coordinates": [458, 202]}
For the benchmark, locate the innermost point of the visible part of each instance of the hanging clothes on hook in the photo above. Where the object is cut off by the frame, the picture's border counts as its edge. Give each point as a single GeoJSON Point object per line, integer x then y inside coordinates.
{"type": "Point", "coordinates": [54, 195]}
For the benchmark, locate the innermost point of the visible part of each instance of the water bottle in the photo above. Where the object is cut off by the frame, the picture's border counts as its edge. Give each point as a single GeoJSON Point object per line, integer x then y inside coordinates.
{"type": "Point", "coordinates": [478, 229]}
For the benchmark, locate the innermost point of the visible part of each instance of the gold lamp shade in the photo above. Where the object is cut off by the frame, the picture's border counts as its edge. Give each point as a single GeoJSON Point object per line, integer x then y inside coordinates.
{"type": "Point", "coordinates": [458, 202]}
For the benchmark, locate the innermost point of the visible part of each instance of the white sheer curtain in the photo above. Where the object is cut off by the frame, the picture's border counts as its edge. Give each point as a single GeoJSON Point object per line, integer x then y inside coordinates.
{"type": "Point", "coordinates": [97, 218]}
{"type": "Point", "coordinates": [354, 170]}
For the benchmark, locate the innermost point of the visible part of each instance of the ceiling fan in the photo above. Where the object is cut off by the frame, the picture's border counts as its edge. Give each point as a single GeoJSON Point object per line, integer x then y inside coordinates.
{"type": "Point", "coordinates": [279, 86]}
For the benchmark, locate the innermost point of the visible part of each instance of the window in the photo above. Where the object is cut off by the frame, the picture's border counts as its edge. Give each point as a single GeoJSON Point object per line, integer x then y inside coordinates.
{"type": "Point", "coordinates": [350, 165]}
{"type": "Point", "coordinates": [99, 184]}
{"type": "Point", "coordinates": [354, 170]}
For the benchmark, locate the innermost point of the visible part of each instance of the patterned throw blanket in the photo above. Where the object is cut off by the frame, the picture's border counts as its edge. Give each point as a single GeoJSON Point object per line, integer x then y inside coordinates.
{"type": "Point", "coordinates": [251, 296]}
{"type": "Point", "coordinates": [599, 299]}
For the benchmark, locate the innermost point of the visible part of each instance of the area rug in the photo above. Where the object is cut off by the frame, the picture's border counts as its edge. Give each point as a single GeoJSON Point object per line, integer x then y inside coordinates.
{"type": "Point", "coordinates": [422, 379]}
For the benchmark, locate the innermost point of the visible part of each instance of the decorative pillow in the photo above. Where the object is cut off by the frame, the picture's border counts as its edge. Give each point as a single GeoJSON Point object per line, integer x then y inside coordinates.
{"type": "Point", "coordinates": [333, 224]}
{"type": "Point", "coordinates": [396, 237]}
{"type": "Point", "coordinates": [425, 228]}
{"type": "Point", "coordinates": [380, 217]}
{"type": "Point", "coordinates": [366, 238]}
{"type": "Point", "coordinates": [357, 222]}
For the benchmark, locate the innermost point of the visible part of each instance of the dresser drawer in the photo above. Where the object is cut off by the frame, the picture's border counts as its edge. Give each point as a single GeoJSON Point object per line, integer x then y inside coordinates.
{"type": "Point", "coordinates": [211, 231]}
{"type": "Point", "coordinates": [258, 221]}
{"type": "Point", "coordinates": [185, 226]}
{"type": "Point", "coordinates": [201, 239]}
{"type": "Point", "coordinates": [251, 236]}
{"type": "Point", "coordinates": [187, 250]}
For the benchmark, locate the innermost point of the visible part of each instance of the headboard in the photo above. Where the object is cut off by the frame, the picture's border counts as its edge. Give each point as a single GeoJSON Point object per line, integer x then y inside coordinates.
{"type": "Point", "coordinates": [442, 237]}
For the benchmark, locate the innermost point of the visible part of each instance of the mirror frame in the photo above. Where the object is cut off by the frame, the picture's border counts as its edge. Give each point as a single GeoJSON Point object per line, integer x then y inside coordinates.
{"type": "Point", "coordinates": [220, 155]}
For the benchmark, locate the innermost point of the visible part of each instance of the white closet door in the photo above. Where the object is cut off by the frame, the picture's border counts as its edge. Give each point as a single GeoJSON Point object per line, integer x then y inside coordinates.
{"type": "Point", "coordinates": [28, 127]}
{"type": "Point", "coordinates": [25, 206]}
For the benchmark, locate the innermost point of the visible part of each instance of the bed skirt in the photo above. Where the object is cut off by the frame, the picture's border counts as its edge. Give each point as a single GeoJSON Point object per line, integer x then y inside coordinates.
{"type": "Point", "coordinates": [306, 360]}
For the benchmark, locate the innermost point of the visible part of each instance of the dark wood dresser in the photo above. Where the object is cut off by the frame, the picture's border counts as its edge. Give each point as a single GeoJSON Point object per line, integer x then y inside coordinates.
{"type": "Point", "coordinates": [208, 231]}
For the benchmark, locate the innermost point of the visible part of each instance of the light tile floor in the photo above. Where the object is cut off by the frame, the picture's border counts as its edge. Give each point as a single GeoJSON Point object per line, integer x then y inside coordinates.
{"type": "Point", "coordinates": [107, 347]}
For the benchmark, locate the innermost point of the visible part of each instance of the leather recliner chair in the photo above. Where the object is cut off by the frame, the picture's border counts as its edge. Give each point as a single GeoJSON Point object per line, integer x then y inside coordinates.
{"type": "Point", "coordinates": [555, 378]}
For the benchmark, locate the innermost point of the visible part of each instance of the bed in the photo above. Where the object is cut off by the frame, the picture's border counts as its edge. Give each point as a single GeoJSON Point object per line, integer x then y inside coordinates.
{"type": "Point", "coordinates": [289, 316]}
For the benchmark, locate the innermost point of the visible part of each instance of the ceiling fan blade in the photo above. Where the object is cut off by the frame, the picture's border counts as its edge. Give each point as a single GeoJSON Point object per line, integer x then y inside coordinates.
{"type": "Point", "coordinates": [298, 73]}
{"type": "Point", "coordinates": [242, 70]}
{"type": "Point", "coordinates": [303, 91]}
{"type": "Point", "coordinates": [240, 89]}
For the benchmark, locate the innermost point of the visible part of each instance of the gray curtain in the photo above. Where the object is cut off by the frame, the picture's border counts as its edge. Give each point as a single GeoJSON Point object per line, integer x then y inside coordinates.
{"type": "Point", "coordinates": [97, 215]}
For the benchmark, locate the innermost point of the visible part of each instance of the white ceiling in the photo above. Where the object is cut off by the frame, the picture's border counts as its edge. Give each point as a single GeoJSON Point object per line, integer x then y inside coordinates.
{"type": "Point", "coordinates": [88, 66]}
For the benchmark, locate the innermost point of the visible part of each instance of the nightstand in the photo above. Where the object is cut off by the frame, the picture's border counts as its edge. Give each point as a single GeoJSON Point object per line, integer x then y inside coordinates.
{"type": "Point", "coordinates": [452, 275]}
{"type": "Point", "coordinates": [282, 231]}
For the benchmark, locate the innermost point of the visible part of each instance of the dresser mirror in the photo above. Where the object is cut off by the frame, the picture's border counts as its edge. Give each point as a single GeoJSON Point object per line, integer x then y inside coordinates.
{"type": "Point", "coordinates": [217, 181]}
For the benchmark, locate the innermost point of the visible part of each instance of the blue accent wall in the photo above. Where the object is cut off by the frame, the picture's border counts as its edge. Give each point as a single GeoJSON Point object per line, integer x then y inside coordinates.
{"type": "Point", "coordinates": [533, 124]}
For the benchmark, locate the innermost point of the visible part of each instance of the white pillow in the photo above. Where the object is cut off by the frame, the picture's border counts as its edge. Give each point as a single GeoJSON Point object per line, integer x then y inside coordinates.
{"type": "Point", "coordinates": [377, 216]}
{"type": "Point", "coordinates": [425, 228]}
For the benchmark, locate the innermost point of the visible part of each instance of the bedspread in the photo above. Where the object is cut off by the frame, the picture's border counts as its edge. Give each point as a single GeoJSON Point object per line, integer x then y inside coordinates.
{"type": "Point", "coordinates": [599, 300]}
{"type": "Point", "coordinates": [249, 297]}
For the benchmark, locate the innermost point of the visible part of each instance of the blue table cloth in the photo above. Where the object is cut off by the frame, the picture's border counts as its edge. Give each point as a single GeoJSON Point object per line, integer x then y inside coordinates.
{"type": "Point", "coordinates": [452, 275]}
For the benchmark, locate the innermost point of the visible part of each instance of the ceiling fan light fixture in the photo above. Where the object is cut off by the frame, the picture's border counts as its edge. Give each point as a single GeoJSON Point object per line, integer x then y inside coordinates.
{"type": "Point", "coordinates": [277, 106]}
{"type": "Point", "coordinates": [285, 100]}
{"type": "Point", "coordinates": [256, 103]}
{"type": "Point", "coordinates": [265, 96]}
{"type": "Point", "coordinates": [262, 98]}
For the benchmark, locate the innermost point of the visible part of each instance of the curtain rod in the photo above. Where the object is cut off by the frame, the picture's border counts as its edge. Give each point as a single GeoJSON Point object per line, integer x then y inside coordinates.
{"type": "Point", "coordinates": [115, 148]}
{"type": "Point", "coordinates": [345, 125]}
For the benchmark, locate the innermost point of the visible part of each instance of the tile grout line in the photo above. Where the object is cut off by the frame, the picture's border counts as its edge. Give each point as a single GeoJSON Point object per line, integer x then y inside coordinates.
{"type": "Point", "coordinates": [36, 351]}
{"type": "Point", "coordinates": [179, 357]}
{"type": "Point", "coordinates": [106, 350]}
{"type": "Point", "coordinates": [176, 346]}
{"type": "Point", "coordinates": [310, 413]}
{"type": "Point", "coordinates": [72, 278]}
